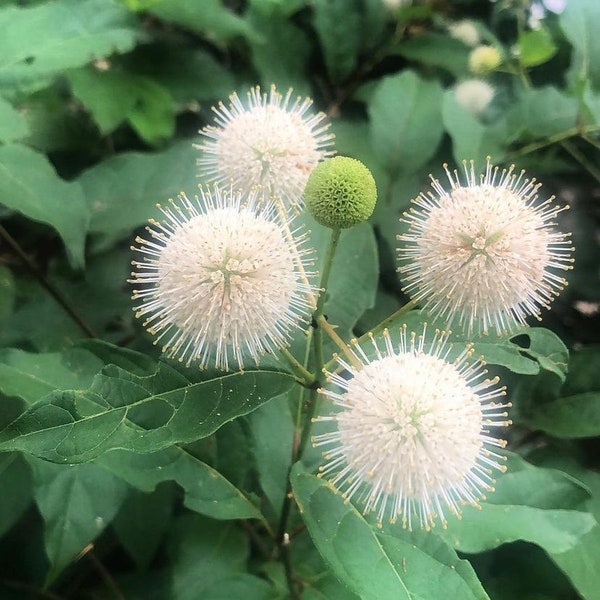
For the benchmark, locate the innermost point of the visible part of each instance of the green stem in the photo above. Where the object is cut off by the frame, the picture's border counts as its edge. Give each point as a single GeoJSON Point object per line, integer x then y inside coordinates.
{"type": "Point", "coordinates": [324, 324]}
{"type": "Point", "coordinates": [47, 285]}
{"type": "Point", "coordinates": [553, 139]}
{"type": "Point", "coordinates": [302, 429]}
{"type": "Point", "coordinates": [304, 376]}
{"type": "Point", "coordinates": [581, 159]}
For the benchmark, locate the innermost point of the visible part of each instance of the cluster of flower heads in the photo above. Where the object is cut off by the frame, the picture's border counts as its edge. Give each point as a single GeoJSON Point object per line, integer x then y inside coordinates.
{"type": "Point", "coordinates": [224, 278]}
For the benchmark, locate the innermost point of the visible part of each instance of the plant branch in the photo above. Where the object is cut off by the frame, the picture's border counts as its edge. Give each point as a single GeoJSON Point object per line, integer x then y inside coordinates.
{"type": "Point", "coordinates": [581, 159]}
{"type": "Point", "coordinates": [47, 285]}
{"type": "Point", "coordinates": [305, 377]}
{"type": "Point", "coordinates": [339, 342]}
{"type": "Point", "coordinates": [302, 429]}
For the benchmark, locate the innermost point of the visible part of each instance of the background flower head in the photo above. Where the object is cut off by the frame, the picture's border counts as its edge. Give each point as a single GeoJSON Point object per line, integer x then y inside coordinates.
{"type": "Point", "coordinates": [272, 142]}
{"type": "Point", "coordinates": [220, 279]}
{"type": "Point", "coordinates": [412, 437]}
{"type": "Point", "coordinates": [486, 253]}
{"type": "Point", "coordinates": [474, 95]}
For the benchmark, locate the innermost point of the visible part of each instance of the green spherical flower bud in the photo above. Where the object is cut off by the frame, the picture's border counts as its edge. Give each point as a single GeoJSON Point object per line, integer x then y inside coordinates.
{"type": "Point", "coordinates": [340, 192]}
{"type": "Point", "coordinates": [484, 59]}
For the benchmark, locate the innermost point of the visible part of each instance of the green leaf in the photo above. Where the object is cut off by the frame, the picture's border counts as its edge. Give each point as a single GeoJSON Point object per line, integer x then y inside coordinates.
{"type": "Point", "coordinates": [142, 522]}
{"type": "Point", "coordinates": [210, 562]}
{"type": "Point", "coordinates": [30, 185]}
{"type": "Point", "coordinates": [353, 282]}
{"type": "Point", "coordinates": [153, 115]}
{"type": "Point", "coordinates": [437, 50]}
{"type": "Point", "coordinates": [99, 296]}
{"type": "Point", "coordinates": [108, 95]}
{"type": "Point", "coordinates": [405, 121]}
{"type": "Point", "coordinates": [76, 502]}
{"type": "Point", "coordinates": [15, 480]}
{"type": "Point", "coordinates": [281, 53]}
{"type": "Point", "coordinates": [191, 74]}
{"type": "Point", "coordinates": [541, 506]}
{"type": "Point", "coordinates": [31, 375]}
{"type": "Point", "coordinates": [122, 192]}
{"type": "Point", "coordinates": [214, 20]}
{"type": "Point", "coordinates": [338, 26]}
{"type": "Point", "coordinates": [57, 125]}
{"type": "Point", "coordinates": [206, 490]}
{"type": "Point", "coordinates": [569, 417]}
{"type": "Point", "coordinates": [41, 41]}
{"type": "Point", "coordinates": [536, 47]}
{"type": "Point", "coordinates": [502, 352]}
{"type": "Point", "coordinates": [584, 366]}
{"type": "Point", "coordinates": [579, 563]}
{"type": "Point", "coordinates": [578, 22]}
{"type": "Point", "coordinates": [7, 293]}
{"type": "Point", "coordinates": [142, 414]}
{"type": "Point", "coordinates": [548, 350]}
{"type": "Point", "coordinates": [376, 565]}
{"type": "Point", "coordinates": [471, 140]}
{"type": "Point", "coordinates": [543, 112]}
{"type": "Point", "coordinates": [13, 125]}
{"type": "Point", "coordinates": [272, 432]}
{"type": "Point", "coordinates": [124, 358]}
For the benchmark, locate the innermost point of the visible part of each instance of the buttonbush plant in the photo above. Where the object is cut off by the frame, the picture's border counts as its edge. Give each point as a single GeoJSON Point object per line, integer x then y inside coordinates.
{"type": "Point", "coordinates": [361, 405]}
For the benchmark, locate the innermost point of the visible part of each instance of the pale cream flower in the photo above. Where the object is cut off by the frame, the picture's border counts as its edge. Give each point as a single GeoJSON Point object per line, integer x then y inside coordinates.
{"type": "Point", "coordinates": [484, 59]}
{"type": "Point", "coordinates": [474, 95]}
{"type": "Point", "coordinates": [271, 142]}
{"type": "Point", "coordinates": [412, 439]}
{"type": "Point", "coordinates": [484, 255]}
{"type": "Point", "coordinates": [220, 281]}
{"type": "Point", "coordinates": [466, 31]}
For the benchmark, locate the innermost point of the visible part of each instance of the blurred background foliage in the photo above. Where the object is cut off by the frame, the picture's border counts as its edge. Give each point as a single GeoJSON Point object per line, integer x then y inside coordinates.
{"type": "Point", "coordinates": [100, 103]}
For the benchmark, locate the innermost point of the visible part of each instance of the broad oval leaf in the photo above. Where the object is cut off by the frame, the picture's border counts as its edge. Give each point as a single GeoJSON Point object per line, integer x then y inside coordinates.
{"type": "Point", "coordinates": [405, 121]}
{"type": "Point", "coordinates": [374, 565]}
{"type": "Point", "coordinates": [76, 502]}
{"type": "Point", "coordinates": [541, 506]}
{"type": "Point", "coordinates": [206, 490]}
{"type": "Point", "coordinates": [40, 41]}
{"type": "Point", "coordinates": [119, 411]}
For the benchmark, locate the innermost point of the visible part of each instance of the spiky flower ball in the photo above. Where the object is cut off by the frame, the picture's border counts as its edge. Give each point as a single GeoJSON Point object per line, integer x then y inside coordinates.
{"type": "Point", "coordinates": [484, 254]}
{"type": "Point", "coordinates": [340, 192]}
{"type": "Point", "coordinates": [412, 438]}
{"type": "Point", "coordinates": [270, 142]}
{"type": "Point", "coordinates": [221, 279]}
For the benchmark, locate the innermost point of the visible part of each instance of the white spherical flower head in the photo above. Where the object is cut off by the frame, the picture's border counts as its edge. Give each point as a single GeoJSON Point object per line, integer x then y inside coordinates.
{"type": "Point", "coordinates": [412, 439]}
{"type": "Point", "coordinates": [484, 254]}
{"type": "Point", "coordinates": [474, 95]}
{"type": "Point", "coordinates": [466, 31]}
{"type": "Point", "coordinates": [271, 143]}
{"type": "Point", "coordinates": [221, 279]}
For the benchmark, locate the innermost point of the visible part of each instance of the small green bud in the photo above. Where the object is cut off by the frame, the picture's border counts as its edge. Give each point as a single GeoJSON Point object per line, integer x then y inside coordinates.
{"type": "Point", "coordinates": [340, 192]}
{"type": "Point", "coordinates": [484, 59]}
